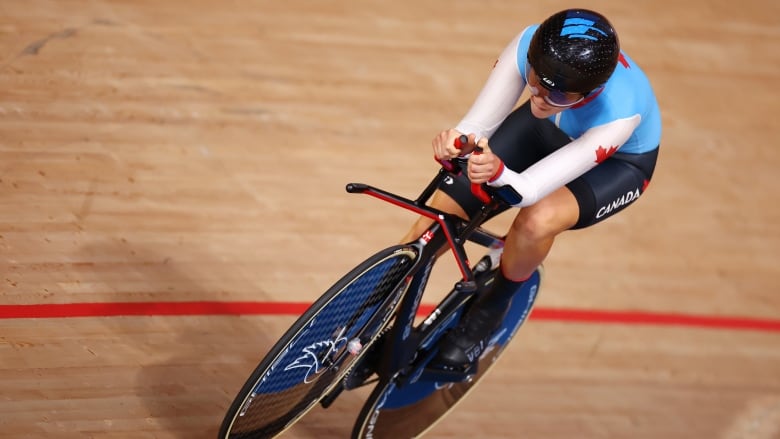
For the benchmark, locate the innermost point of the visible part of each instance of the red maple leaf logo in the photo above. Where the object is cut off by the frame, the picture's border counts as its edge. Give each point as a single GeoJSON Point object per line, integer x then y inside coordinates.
{"type": "Point", "coordinates": [644, 185]}
{"type": "Point", "coordinates": [603, 154]}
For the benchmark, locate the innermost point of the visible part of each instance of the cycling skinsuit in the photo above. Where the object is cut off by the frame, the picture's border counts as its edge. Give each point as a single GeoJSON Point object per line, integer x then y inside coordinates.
{"type": "Point", "coordinates": [603, 149]}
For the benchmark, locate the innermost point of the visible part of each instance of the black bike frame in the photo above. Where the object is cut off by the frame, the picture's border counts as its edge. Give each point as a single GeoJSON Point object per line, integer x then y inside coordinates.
{"type": "Point", "coordinates": [446, 229]}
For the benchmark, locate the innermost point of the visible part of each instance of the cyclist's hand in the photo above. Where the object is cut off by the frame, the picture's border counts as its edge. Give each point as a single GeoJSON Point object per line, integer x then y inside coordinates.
{"type": "Point", "coordinates": [482, 167]}
{"type": "Point", "coordinates": [444, 145]}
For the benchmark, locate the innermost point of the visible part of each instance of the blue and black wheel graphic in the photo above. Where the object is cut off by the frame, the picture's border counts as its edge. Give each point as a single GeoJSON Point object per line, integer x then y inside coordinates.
{"type": "Point", "coordinates": [411, 410]}
{"type": "Point", "coordinates": [312, 356]}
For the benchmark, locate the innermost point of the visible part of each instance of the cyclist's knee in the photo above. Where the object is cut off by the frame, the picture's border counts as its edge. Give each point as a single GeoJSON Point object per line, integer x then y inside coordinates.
{"type": "Point", "coordinates": [531, 225]}
{"type": "Point", "coordinates": [552, 215]}
{"type": "Point", "coordinates": [542, 221]}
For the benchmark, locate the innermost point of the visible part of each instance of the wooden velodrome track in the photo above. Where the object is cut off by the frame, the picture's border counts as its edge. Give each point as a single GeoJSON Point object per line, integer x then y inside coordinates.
{"type": "Point", "coordinates": [179, 157]}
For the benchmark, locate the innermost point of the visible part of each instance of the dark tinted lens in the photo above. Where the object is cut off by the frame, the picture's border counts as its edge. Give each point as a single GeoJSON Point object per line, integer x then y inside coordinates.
{"type": "Point", "coordinates": [561, 98]}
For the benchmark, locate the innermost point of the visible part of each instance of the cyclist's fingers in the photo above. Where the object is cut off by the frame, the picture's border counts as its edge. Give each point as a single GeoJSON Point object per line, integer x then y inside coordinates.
{"type": "Point", "coordinates": [444, 144]}
{"type": "Point", "coordinates": [479, 177]}
{"type": "Point", "coordinates": [483, 166]}
{"type": "Point", "coordinates": [439, 148]}
{"type": "Point", "coordinates": [472, 140]}
{"type": "Point", "coordinates": [478, 164]}
{"type": "Point", "coordinates": [483, 159]}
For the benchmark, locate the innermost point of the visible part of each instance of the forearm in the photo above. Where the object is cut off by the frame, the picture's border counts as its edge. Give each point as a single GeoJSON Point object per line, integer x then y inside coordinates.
{"type": "Point", "coordinates": [567, 163]}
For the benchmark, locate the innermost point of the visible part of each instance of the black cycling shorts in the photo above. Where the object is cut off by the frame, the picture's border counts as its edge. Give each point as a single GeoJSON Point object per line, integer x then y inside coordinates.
{"type": "Point", "coordinates": [522, 140]}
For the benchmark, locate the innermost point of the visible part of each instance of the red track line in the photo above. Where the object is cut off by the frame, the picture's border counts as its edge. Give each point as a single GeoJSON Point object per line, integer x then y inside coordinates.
{"type": "Point", "coordinates": [109, 309]}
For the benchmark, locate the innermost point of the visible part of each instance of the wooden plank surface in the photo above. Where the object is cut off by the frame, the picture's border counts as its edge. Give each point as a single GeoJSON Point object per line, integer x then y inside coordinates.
{"type": "Point", "coordinates": [197, 151]}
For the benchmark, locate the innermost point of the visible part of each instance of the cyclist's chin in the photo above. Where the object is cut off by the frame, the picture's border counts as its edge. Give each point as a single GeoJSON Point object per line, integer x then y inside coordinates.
{"type": "Point", "coordinates": [541, 109]}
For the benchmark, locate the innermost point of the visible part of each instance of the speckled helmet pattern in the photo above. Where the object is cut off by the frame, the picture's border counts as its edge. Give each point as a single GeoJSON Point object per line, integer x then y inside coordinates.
{"type": "Point", "coordinates": [575, 50]}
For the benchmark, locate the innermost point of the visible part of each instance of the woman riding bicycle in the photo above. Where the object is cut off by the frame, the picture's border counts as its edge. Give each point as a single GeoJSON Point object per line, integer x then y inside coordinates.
{"type": "Point", "coordinates": [581, 149]}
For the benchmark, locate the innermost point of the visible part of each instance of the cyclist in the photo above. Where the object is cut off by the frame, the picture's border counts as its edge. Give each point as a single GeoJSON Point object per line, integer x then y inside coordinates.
{"type": "Point", "coordinates": [581, 149]}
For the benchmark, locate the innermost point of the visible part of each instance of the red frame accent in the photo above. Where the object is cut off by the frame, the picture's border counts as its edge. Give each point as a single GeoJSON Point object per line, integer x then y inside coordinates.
{"type": "Point", "coordinates": [426, 214]}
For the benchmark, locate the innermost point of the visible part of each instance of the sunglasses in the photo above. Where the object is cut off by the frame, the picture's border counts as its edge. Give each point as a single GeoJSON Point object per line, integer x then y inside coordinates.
{"type": "Point", "coordinates": [555, 98]}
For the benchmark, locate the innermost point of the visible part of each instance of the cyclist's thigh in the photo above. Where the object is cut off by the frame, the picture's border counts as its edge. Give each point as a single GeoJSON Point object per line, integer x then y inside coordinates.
{"type": "Point", "coordinates": [441, 201]}
{"type": "Point", "coordinates": [612, 186]}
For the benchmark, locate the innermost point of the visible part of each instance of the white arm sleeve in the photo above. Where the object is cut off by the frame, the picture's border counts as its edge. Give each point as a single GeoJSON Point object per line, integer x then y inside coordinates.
{"type": "Point", "coordinates": [569, 162]}
{"type": "Point", "coordinates": [498, 96]}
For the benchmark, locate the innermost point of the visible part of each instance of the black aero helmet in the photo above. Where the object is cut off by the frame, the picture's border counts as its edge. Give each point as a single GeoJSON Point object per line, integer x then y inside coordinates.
{"type": "Point", "coordinates": [574, 51]}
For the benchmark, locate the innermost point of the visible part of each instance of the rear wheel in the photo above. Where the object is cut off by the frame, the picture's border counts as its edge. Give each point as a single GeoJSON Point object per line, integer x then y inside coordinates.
{"type": "Point", "coordinates": [314, 354]}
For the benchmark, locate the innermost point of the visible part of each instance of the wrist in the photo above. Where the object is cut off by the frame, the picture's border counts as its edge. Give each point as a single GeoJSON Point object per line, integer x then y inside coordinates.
{"type": "Point", "coordinates": [499, 171]}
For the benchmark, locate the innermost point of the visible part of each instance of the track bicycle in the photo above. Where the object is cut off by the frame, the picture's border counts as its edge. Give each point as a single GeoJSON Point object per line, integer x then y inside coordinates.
{"type": "Point", "coordinates": [364, 331]}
